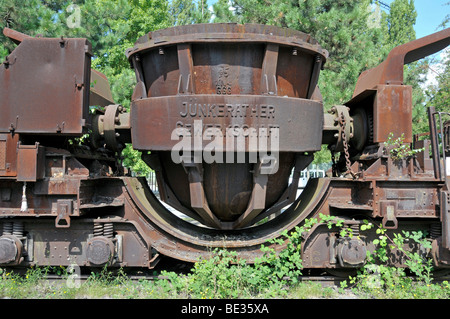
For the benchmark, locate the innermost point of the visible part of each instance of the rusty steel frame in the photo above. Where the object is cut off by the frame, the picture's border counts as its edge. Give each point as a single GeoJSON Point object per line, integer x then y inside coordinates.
{"type": "Point", "coordinates": [92, 214]}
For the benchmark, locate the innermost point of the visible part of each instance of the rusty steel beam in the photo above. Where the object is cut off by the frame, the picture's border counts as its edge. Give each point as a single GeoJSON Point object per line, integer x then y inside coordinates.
{"type": "Point", "coordinates": [15, 36]}
{"type": "Point", "coordinates": [381, 91]}
{"type": "Point", "coordinates": [390, 71]}
{"type": "Point", "coordinates": [100, 92]}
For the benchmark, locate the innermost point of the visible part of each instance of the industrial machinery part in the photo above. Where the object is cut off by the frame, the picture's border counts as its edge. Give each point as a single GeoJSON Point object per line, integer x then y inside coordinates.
{"type": "Point", "coordinates": [10, 249]}
{"type": "Point", "coordinates": [235, 79]}
{"type": "Point", "coordinates": [11, 246]}
{"type": "Point", "coordinates": [227, 115]}
{"type": "Point", "coordinates": [100, 251]}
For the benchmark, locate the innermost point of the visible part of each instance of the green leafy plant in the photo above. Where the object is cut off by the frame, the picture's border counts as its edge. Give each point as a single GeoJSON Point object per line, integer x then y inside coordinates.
{"type": "Point", "coordinates": [378, 276]}
{"type": "Point", "coordinates": [398, 149]}
{"type": "Point", "coordinates": [337, 222]}
{"type": "Point", "coordinates": [287, 264]}
{"type": "Point", "coordinates": [420, 266]}
{"type": "Point", "coordinates": [225, 275]}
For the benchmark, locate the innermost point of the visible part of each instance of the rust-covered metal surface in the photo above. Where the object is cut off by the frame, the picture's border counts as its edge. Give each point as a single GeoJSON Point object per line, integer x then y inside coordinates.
{"type": "Point", "coordinates": [231, 113]}
{"type": "Point", "coordinates": [45, 86]}
{"type": "Point", "coordinates": [227, 76]}
{"type": "Point", "coordinates": [390, 71]}
{"type": "Point", "coordinates": [93, 214]}
{"type": "Point", "coordinates": [238, 81]}
{"type": "Point", "coordinates": [382, 91]}
{"type": "Point", "coordinates": [99, 94]}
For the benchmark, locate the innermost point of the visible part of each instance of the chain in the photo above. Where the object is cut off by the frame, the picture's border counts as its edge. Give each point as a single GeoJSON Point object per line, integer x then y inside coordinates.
{"type": "Point", "coordinates": [348, 164]}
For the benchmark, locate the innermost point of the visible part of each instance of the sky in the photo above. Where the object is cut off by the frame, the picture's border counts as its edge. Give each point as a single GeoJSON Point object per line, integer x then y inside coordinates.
{"type": "Point", "coordinates": [430, 14]}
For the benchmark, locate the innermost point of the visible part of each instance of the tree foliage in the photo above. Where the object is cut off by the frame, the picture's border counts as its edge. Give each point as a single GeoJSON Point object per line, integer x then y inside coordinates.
{"type": "Point", "coordinates": [357, 34]}
{"type": "Point", "coordinates": [183, 12]}
{"type": "Point", "coordinates": [438, 94]}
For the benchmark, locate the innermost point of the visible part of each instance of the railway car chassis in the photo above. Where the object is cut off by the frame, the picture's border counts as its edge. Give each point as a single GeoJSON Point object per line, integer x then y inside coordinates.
{"type": "Point", "coordinates": [64, 202]}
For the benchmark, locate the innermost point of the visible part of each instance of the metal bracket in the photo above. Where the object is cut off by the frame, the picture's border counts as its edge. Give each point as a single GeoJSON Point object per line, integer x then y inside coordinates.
{"type": "Point", "coordinates": [445, 212]}
{"type": "Point", "coordinates": [388, 209]}
{"type": "Point", "coordinates": [269, 69]}
{"type": "Point", "coordinates": [64, 209]}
